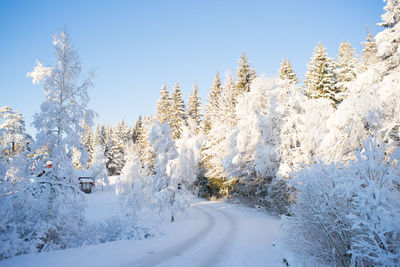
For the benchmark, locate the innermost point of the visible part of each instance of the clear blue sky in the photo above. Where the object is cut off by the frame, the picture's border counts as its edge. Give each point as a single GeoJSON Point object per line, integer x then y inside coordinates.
{"type": "Point", "coordinates": [136, 46]}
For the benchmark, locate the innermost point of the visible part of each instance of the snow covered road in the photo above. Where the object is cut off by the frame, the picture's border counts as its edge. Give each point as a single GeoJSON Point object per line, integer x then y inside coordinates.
{"type": "Point", "coordinates": [212, 234]}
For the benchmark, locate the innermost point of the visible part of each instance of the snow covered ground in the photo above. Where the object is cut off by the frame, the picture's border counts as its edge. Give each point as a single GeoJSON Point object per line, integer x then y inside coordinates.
{"type": "Point", "coordinates": [210, 234]}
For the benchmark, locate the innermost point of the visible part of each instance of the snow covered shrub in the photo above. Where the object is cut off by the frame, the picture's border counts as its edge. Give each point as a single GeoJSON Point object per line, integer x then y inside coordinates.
{"type": "Point", "coordinates": [348, 215]}
{"type": "Point", "coordinates": [373, 184]}
{"type": "Point", "coordinates": [277, 196]}
{"type": "Point", "coordinates": [318, 226]}
{"type": "Point", "coordinates": [121, 228]}
{"type": "Point", "coordinates": [43, 216]}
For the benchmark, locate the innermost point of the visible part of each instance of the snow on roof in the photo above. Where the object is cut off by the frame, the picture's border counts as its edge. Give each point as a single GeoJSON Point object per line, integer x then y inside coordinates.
{"type": "Point", "coordinates": [86, 180]}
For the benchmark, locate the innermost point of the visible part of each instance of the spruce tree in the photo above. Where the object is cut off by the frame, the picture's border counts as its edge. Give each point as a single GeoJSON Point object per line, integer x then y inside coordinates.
{"type": "Point", "coordinates": [147, 154]}
{"type": "Point", "coordinates": [286, 72]}
{"type": "Point", "coordinates": [97, 136]}
{"type": "Point", "coordinates": [123, 132]}
{"type": "Point", "coordinates": [177, 120]}
{"type": "Point", "coordinates": [245, 74]}
{"type": "Point", "coordinates": [369, 53]}
{"type": "Point", "coordinates": [116, 152]}
{"type": "Point", "coordinates": [164, 105]}
{"type": "Point", "coordinates": [88, 142]}
{"type": "Point", "coordinates": [212, 106]}
{"type": "Point", "coordinates": [137, 130]}
{"type": "Point", "coordinates": [13, 138]}
{"type": "Point", "coordinates": [392, 15]}
{"type": "Point", "coordinates": [388, 40]}
{"type": "Point", "coordinates": [193, 111]}
{"type": "Point", "coordinates": [346, 69]}
{"type": "Point", "coordinates": [321, 76]}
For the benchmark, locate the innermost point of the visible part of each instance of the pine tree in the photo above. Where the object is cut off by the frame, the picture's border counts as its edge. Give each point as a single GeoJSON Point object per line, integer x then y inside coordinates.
{"type": "Point", "coordinates": [369, 53]}
{"type": "Point", "coordinates": [392, 15]}
{"type": "Point", "coordinates": [346, 69]}
{"type": "Point", "coordinates": [137, 130]}
{"type": "Point", "coordinates": [13, 138]}
{"type": "Point", "coordinates": [227, 101]}
{"type": "Point", "coordinates": [164, 105]}
{"type": "Point", "coordinates": [286, 72]}
{"type": "Point", "coordinates": [89, 142]}
{"type": "Point", "coordinates": [245, 74]}
{"type": "Point", "coordinates": [193, 111]}
{"type": "Point", "coordinates": [121, 138]}
{"type": "Point", "coordinates": [321, 77]}
{"type": "Point", "coordinates": [212, 107]}
{"type": "Point", "coordinates": [97, 134]}
{"type": "Point", "coordinates": [106, 141]}
{"type": "Point", "coordinates": [178, 119]}
{"type": "Point", "coordinates": [388, 40]}
{"type": "Point", "coordinates": [124, 133]}
{"type": "Point", "coordinates": [147, 154]}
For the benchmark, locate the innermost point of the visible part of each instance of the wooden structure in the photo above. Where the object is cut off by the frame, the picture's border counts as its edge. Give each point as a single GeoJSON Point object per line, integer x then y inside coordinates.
{"type": "Point", "coordinates": [87, 184]}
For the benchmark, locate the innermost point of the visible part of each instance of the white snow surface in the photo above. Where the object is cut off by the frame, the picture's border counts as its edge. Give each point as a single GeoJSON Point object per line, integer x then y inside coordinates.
{"type": "Point", "coordinates": [211, 233]}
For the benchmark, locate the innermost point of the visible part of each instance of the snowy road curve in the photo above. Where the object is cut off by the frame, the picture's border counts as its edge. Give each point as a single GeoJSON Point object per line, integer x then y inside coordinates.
{"type": "Point", "coordinates": [219, 231]}
{"type": "Point", "coordinates": [212, 234]}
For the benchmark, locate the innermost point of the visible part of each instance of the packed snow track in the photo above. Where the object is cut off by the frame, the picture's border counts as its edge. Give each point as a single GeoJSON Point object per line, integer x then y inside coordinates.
{"type": "Point", "coordinates": [211, 234]}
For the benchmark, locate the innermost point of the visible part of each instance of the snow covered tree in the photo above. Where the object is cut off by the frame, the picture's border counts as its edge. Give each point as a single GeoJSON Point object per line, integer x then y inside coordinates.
{"type": "Point", "coordinates": [321, 76]}
{"type": "Point", "coordinates": [389, 39]}
{"type": "Point", "coordinates": [115, 154]}
{"type": "Point", "coordinates": [133, 183]}
{"type": "Point", "coordinates": [193, 112]}
{"type": "Point", "coordinates": [252, 146]}
{"type": "Point", "coordinates": [177, 119]}
{"type": "Point", "coordinates": [97, 136]}
{"type": "Point", "coordinates": [372, 105]}
{"type": "Point", "coordinates": [147, 154]}
{"type": "Point", "coordinates": [137, 130]}
{"type": "Point", "coordinates": [346, 69]}
{"type": "Point", "coordinates": [290, 109]}
{"type": "Point", "coordinates": [13, 138]}
{"type": "Point", "coordinates": [14, 151]}
{"type": "Point", "coordinates": [185, 168]}
{"type": "Point", "coordinates": [124, 132]}
{"type": "Point", "coordinates": [392, 15]}
{"type": "Point", "coordinates": [164, 105]}
{"type": "Point", "coordinates": [98, 168]}
{"type": "Point", "coordinates": [369, 53]}
{"type": "Point", "coordinates": [211, 106]}
{"type": "Point", "coordinates": [169, 196]}
{"type": "Point", "coordinates": [223, 121]}
{"type": "Point", "coordinates": [247, 140]}
{"type": "Point", "coordinates": [48, 213]}
{"type": "Point", "coordinates": [89, 142]}
{"type": "Point", "coordinates": [245, 74]}
{"type": "Point", "coordinates": [286, 72]}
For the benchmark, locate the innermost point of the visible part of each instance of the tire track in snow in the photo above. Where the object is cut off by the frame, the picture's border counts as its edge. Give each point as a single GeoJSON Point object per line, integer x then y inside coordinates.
{"type": "Point", "coordinates": [175, 251]}
{"type": "Point", "coordinates": [223, 245]}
